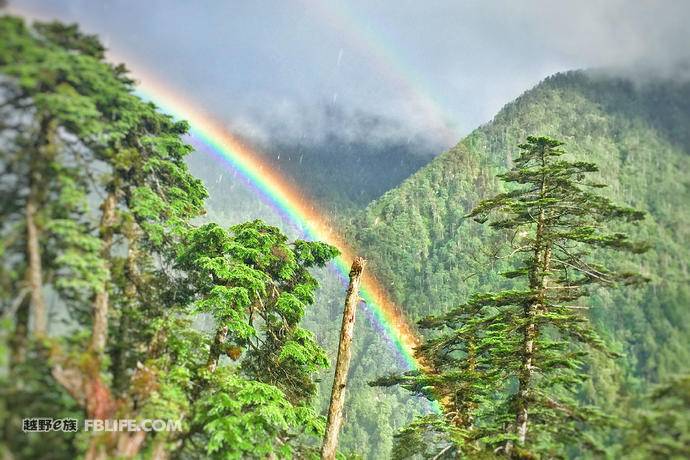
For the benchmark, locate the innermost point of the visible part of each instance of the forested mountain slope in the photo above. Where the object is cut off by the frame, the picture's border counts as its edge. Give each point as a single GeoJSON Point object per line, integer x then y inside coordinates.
{"type": "Point", "coordinates": [430, 257]}
{"type": "Point", "coordinates": [341, 173]}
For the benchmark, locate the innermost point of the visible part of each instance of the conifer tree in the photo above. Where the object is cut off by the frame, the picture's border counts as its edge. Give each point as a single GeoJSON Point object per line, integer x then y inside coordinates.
{"type": "Point", "coordinates": [530, 342]}
{"type": "Point", "coordinates": [556, 222]}
{"type": "Point", "coordinates": [99, 208]}
{"type": "Point", "coordinates": [257, 288]}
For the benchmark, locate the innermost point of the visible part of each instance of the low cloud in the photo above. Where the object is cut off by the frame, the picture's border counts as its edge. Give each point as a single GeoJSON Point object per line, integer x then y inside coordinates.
{"type": "Point", "coordinates": [292, 123]}
{"type": "Point", "coordinates": [387, 69]}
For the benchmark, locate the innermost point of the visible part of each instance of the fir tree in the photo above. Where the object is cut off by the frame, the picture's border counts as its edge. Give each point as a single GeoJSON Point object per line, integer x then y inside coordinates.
{"type": "Point", "coordinates": [556, 223]}
{"type": "Point", "coordinates": [507, 365]}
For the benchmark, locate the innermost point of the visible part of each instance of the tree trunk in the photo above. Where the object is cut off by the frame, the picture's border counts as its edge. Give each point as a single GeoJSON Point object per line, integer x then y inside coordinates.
{"type": "Point", "coordinates": [83, 380]}
{"type": "Point", "coordinates": [41, 155]}
{"type": "Point", "coordinates": [84, 383]}
{"type": "Point", "coordinates": [525, 376]}
{"type": "Point", "coordinates": [18, 341]}
{"type": "Point", "coordinates": [465, 416]}
{"type": "Point", "coordinates": [217, 348]}
{"type": "Point", "coordinates": [335, 410]}
{"type": "Point", "coordinates": [119, 356]}
{"type": "Point", "coordinates": [35, 268]}
{"type": "Point", "coordinates": [99, 333]}
{"type": "Point", "coordinates": [542, 261]}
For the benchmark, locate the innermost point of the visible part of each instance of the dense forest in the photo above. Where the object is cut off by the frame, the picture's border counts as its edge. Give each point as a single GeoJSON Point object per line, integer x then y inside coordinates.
{"type": "Point", "coordinates": [346, 173]}
{"type": "Point", "coordinates": [433, 258]}
{"type": "Point", "coordinates": [132, 289]}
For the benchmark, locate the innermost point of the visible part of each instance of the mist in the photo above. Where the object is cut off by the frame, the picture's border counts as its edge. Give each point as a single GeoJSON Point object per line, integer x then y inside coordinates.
{"type": "Point", "coordinates": [432, 70]}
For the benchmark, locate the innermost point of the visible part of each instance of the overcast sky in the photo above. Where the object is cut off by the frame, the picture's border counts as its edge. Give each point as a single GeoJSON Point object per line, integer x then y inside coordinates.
{"type": "Point", "coordinates": [435, 67]}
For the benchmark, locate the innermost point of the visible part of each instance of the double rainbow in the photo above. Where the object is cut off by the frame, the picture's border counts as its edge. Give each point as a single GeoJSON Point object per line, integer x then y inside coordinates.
{"type": "Point", "coordinates": [287, 199]}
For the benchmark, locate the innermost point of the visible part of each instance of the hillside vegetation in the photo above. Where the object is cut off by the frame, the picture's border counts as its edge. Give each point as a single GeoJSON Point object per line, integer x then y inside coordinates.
{"type": "Point", "coordinates": [128, 293]}
{"type": "Point", "coordinates": [431, 257]}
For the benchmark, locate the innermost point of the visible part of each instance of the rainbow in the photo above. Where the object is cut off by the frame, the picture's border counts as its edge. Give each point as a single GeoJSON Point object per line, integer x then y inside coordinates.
{"type": "Point", "coordinates": [291, 203]}
{"type": "Point", "coordinates": [389, 61]}
{"type": "Point", "coordinates": [288, 200]}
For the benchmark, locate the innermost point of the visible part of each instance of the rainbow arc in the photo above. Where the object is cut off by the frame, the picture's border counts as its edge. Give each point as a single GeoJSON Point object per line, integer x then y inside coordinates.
{"type": "Point", "coordinates": [284, 197]}
{"type": "Point", "coordinates": [290, 202]}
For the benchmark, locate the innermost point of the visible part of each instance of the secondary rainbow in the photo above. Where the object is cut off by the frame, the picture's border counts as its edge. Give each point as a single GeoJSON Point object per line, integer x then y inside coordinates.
{"type": "Point", "coordinates": [389, 61]}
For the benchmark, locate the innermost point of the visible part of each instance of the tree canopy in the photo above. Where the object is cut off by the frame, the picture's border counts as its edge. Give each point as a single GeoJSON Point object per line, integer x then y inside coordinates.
{"type": "Point", "coordinates": [507, 365]}
{"type": "Point", "coordinates": [161, 318]}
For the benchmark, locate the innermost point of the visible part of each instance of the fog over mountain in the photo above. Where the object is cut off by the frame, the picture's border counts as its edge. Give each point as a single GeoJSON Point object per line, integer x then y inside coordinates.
{"type": "Point", "coordinates": [433, 69]}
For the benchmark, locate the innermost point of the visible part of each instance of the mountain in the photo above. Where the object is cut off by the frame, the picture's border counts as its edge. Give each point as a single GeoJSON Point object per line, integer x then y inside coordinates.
{"type": "Point", "coordinates": [431, 257]}
{"type": "Point", "coordinates": [348, 173]}
{"type": "Point", "coordinates": [341, 158]}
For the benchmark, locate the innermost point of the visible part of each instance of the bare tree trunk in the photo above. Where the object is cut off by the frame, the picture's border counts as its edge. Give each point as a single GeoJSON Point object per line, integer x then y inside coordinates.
{"type": "Point", "coordinates": [335, 411]}
{"type": "Point", "coordinates": [35, 268]}
{"type": "Point", "coordinates": [99, 333]}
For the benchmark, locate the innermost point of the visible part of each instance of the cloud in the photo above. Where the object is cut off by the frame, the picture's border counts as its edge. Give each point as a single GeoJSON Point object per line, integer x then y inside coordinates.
{"type": "Point", "coordinates": [417, 68]}
{"type": "Point", "coordinates": [291, 123]}
{"type": "Point", "coordinates": [652, 36]}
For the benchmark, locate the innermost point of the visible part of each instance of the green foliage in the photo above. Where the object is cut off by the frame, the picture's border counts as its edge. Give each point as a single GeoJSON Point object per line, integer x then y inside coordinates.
{"type": "Point", "coordinates": [433, 259]}
{"type": "Point", "coordinates": [114, 199]}
{"type": "Point", "coordinates": [250, 280]}
{"type": "Point", "coordinates": [430, 436]}
{"type": "Point", "coordinates": [661, 427]}
{"type": "Point", "coordinates": [531, 338]}
{"type": "Point", "coordinates": [249, 419]}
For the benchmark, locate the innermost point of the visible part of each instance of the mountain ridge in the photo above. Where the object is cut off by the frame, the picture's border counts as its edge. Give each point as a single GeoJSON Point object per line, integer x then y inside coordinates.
{"type": "Point", "coordinates": [430, 257]}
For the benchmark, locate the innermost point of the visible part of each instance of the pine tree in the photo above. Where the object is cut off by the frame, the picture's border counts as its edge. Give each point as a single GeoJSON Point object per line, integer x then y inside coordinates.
{"type": "Point", "coordinates": [507, 365]}
{"type": "Point", "coordinates": [556, 223]}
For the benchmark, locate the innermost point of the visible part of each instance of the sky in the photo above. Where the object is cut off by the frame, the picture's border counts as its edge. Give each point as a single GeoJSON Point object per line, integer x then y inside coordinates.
{"type": "Point", "coordinates": [305, 68]}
